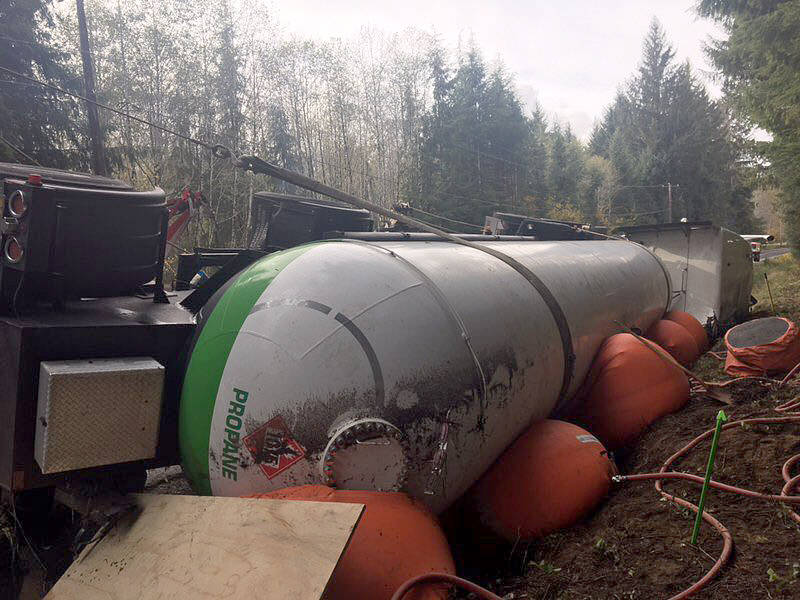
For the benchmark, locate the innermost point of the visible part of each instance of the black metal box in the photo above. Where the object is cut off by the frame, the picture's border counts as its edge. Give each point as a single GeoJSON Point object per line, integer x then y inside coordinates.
{"type": "Point", "coordinates": [100, 328]}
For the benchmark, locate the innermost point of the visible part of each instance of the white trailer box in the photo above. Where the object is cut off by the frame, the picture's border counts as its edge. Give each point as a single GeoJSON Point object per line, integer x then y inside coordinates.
{"type": "Point", "coordinates": [711, 268]}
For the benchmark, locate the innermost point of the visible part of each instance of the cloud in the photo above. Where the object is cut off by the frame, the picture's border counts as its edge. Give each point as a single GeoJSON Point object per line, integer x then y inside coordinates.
{"type": "Point", "coordinates": [570, 55]}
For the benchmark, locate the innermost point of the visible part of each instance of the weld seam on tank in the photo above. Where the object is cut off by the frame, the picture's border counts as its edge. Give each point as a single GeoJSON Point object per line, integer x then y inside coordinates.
{"type": "Point", "coordinates": [346, 323]}
{"type": "Point", "coordinates": [437, 293]}
{"type": "Point", "coordinates": [369, 351]}
{"type": "Point", "coordinates": [670, 291]}
{"type": "Point", "coordinates": [553, 306]}
{"type": "Point", "coordinates": [440, 458]}
{"type": "Point", "coordinates": [546, 295]}
{"type": "Point", "coordinates": [324, 309]}
{"type": "Point", "coordinates": [366, 309]}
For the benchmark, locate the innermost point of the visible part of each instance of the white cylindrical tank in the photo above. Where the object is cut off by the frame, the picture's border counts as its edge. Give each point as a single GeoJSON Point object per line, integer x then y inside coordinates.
{"type": "Point", "coordinates": [398, 365]}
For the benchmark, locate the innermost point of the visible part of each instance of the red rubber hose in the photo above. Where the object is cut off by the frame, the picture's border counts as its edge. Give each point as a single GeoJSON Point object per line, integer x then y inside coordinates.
{"type": "Point", "coordinates": [792, 483]}
{"type": "Point", "coordinates": [715, 484]}
{"type": "Point", "coordinates": [727, 547]}
{"type": "Point", "coordinates": [787, 406]}
{"type": "Point", "coordinates": [727, 539]}
{"type": "Point", "coordinates": [742, 378]}
{"type": "Point", "coordinates": [787, 467]}
{"type": "Point", "coordinates": [429, 578]}
{"type": "Point", "coordinates": [790, 374]}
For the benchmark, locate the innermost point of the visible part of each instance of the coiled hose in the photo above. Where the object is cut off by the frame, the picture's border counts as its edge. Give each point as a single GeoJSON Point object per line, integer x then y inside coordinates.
{"type": "Point", "coordinates": [792, 483]}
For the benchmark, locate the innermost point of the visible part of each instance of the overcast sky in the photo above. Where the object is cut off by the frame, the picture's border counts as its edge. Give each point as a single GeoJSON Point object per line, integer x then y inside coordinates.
{"type": "Point", "coordinates": [570, 55]}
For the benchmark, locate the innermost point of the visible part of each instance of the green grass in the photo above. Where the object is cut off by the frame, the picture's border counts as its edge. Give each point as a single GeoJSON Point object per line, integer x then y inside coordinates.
{"type": "Point", "coordinates": [784, 281]}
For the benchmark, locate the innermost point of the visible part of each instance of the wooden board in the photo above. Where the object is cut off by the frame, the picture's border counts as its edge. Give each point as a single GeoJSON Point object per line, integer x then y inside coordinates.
{"type": "Point", "coordinates": [204, 547]}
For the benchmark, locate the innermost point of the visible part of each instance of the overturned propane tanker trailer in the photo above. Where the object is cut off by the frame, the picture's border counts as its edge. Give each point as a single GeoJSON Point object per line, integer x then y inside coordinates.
{"type": "Point", "coordinates": [398, 365]}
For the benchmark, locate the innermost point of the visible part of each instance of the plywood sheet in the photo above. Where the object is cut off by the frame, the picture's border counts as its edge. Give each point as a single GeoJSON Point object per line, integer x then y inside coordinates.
{"type": "Point", "coordinates": [203, 547]}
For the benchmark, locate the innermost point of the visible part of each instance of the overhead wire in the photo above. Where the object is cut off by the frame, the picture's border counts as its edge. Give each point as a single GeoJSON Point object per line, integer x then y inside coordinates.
{"type": "Point", "coordinates": [16, 41]}
{"type": "Point", "coordinates": [490, 155]}
{"type": "Point", "coordinates": [442, 227]}
{"type": "Point", "coordinates": [20, 83]}
{"type": "Point", "coordinates": [625, 187]}
{"type": "Point", "coordinates": [342, 168]}
{"type": "Point", "coordinates": [46, 84]}
{"type": "Point", "coordinates": [639, 214]}
{"type": "Point", "coordinates": [19, 151]}
{"type": "Point", "coordinates": [448, 219]}
{"type": "Point", "coordinates": [659, 185]}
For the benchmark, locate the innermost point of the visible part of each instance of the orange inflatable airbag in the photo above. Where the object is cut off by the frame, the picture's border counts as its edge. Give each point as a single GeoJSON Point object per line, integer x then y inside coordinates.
{"type": "Point", "coordinates": [676, 340]}
{"type": "Point", "coordinates": [776, 357]}
{"type": "Point", "coordinates": [549, 478]}
{"type": "Point", "coordinates": [396, 539]}
{"type": "Point", "coordinates": [628, 387]}
{"type": "Point", "coordinates": [692, 325]}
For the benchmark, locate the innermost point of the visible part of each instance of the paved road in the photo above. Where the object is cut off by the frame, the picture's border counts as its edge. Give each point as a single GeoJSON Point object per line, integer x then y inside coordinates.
{"type": "Point", "coordinates": [773, 253]}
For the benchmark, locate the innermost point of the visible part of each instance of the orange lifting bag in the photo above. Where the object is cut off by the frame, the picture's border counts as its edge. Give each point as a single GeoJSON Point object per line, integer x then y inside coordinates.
{"type": "Point", "coordinates": [676, 340]}
{"type": "Point", "coordinates": [692, 325]}
{"type": "Point", "coordinates": [628, 387]}
{"type": "Point", "coordinates": [396, 539]}
{"type": "Point", "coordinates": [762, 347]}
{"type": "Point", "coordinates": [549, 478]}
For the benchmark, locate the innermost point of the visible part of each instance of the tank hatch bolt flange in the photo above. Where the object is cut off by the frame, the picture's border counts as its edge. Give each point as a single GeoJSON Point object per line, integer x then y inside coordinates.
{"type": "Point", "coordinates": [368, 453]}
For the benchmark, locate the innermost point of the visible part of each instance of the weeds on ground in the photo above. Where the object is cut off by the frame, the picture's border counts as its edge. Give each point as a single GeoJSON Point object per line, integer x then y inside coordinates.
{"type": "Point", "coordinates": [8, 547]}
{"type": "Point", "coordinates": [7, 530]}
{"type": "Point", "coordinates": [784, 281]}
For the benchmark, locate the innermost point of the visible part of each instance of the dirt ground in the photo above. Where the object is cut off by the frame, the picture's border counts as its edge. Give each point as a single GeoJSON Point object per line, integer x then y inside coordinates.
{"type": "Point", "coordinates": [635, 546]}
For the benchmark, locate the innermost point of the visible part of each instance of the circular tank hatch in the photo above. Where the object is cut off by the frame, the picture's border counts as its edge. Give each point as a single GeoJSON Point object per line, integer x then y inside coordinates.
{"type": "Point", "coordinates": [366, 454]}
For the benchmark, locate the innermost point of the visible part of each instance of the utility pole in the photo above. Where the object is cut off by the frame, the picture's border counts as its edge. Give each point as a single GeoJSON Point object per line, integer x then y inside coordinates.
{"type": "Point", "coordinates": [669, 202]}
{"type": "Point", "coordinates": [669, 187]}
{"type": "Point", "coordinates": [95, 138]}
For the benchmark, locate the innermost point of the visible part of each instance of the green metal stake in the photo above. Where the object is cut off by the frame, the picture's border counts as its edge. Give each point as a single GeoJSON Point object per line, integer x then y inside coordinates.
{"type": "Point", "coordinates": [721, 418]}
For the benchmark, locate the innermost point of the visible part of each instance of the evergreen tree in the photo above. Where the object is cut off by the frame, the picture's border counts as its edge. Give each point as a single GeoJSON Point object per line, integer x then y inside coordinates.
{"type": "Point", "coordinates": [557, 175]}
{"type": "Point", "coordinates": [760, 62]}
{"type": "Point", "coordinates": [227, 91]}
{"type": "Point", "coordinates": [283, 149]}
{"type": "Point", "coordinates": [472, 152]}
{"type": "Point", "coordinates": [663, 128]}
{"type": "Point", "coordinates": [39, 122]}
{"type": "Point", "coordinates": [536, 181]}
